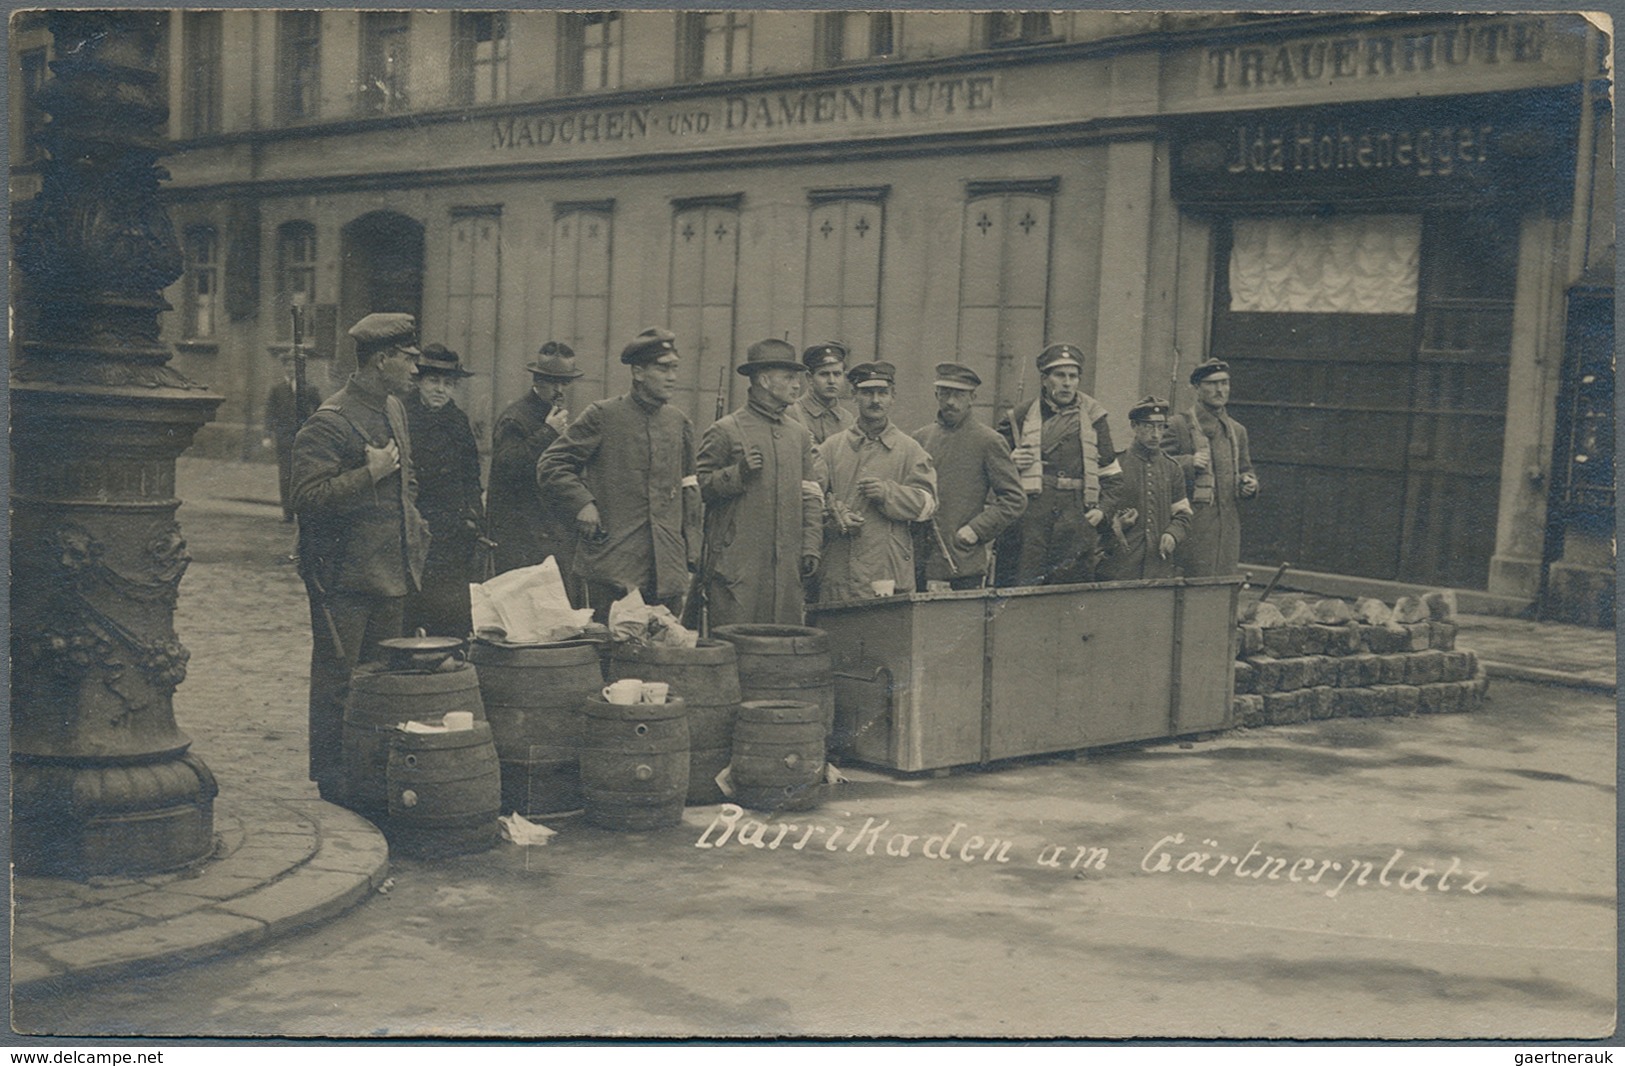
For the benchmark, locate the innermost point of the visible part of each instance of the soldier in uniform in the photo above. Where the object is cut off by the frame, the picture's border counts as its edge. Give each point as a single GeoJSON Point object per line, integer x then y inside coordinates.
{"type": "Point", "coordinates": [763, 508]}
{"type": "Point", "coordinates": [1154, 514]}
{"type": "Point", "coordinates": [525, 528]}
{"type": "Point", "coordinates": [625, 470]}
{"type": "Point", "coordinates": [1211, 448]}
{"type": "Point", "coordinates": [362, 541]}
{"type": "Point", "coordinates": [281, 423]}
{"type": "Point", "coordinates": [1062, 446]}
{"type": "Point", "coordinates": [880, 481]}
{"type": "Point", "coordinates": [819, 406]}
{"type": "Point", "coordinates": [978, 489]}
{"type": "Point", "coordinates": [447, 463]}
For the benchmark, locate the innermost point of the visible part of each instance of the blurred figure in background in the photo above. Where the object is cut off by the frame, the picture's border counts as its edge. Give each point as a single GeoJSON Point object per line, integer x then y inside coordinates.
{"type": "Point", "coordinates": [448, 470]}
{"type": "Point", "coordinates": [525, 527]}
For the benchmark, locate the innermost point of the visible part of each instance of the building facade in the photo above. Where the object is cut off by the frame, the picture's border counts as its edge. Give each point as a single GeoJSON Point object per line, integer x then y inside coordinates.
{"type": "Point", "coordinates": [1376, 219]}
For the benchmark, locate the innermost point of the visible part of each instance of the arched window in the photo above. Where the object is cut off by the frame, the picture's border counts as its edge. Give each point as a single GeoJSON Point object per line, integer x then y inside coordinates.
{"type": "Point", "coordinates": [202, 300]}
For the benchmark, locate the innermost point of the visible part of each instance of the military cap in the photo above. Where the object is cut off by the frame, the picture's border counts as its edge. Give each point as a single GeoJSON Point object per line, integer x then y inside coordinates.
{"type": "Point", "coordinates": [649, 346]}
{"type": "Point", "coordinates": [1206, 370]}
{"type": "Point", "coordinates": [558, 361]}
{"type": "Point", "coordinates": [385, 329]}
{"type": "Point", "coordinates": [1150, 409]}
{"type": "Point", "coordinates": [872, 375]}
{"type": "Point", "coordinates": [769, 355]}
{"type": "Point", "coordinates": [1059, 355]}
{"type": "Point", "coordinates": [438, 359]}
{"type": "Point", "coordinates": [820, 355]}
{"type": "Point", "coordinates": [956, 376]}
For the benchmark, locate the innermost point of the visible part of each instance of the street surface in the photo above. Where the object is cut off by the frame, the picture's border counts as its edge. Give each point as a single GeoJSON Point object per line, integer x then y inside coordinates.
{"type": "Point", "coordinates": [1212, 889]}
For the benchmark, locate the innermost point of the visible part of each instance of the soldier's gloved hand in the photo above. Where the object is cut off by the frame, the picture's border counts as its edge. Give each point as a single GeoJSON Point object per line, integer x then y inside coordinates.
{"type": "Point", "coordinates": [1165, 547]}
{"type": "Point", "coordinates": [751, 463]}
{"type": "Point", "coordinates": [558, 419]}
{"type": "Point", "coordinates": [382, 462]}
{"type": "Point", "coordinates": [1093, 516]}
{"type": "Point", "coordinates": [809, 565]}
{"type": "Point", "coordinates": [588, 526]}
{"type": "Point", "coordinates": [966, 536]}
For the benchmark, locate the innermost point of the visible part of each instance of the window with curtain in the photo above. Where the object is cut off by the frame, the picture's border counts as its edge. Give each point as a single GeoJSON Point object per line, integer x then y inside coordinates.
{"type": "Point", "coordinates": [201, 36]}
{"type": "Point", "coordinates": [579, 300]}
{"type": "Point", "coordinates": [589, 51]}
{"type": "Point", "coordinates": [295, 270]}
{"type": "Point", "coordinates": [299, 58]}
{"type": "Point", "coordinates": [1021, 27]}
{"type": "Point", "coordinates": [1360, 264]}
{"type": "Point", "coordinates": [385, 61]}
{"type": "Point", "coordinates": [843, 269]}
{"type": "Point", "coordinates": [480, 57]}
{"type": "Point", "coordinates": [1004, 281]}
{"type": "Point", "coordinates": [202, 281]}
{"type": "Point", "coordinates": [855, 36]}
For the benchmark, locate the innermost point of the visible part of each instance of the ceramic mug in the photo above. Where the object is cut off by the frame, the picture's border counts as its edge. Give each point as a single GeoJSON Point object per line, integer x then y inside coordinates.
{"type": "Point", "coordinates": [456, 721]}
{"type": "Point", "coordinates": [655, 691]}
{"type": "Point", "coordinates": [627, 690]}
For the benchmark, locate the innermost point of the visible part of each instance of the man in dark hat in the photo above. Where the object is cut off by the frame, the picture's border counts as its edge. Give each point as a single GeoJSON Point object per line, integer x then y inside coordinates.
{"type": "Point", "coordinates": [1211, 448]}
{"type": "Point", "coordinates": [763, 508]}
{"type": "Point", "coordinates": [1154, 515]}
{"type": "Point", "coordinates": [362, 542]}
{"type": "Point", "coordinates": [819, 406]}
{"type": "Point", "coordinates": [625, 470]}
{"type": "Point", "coordinates": [978, 489]}
{"type": "Point", "coordinates": [282, 422]}
{"type": "Point", "coordinates": [447, 463]}
{"type": "Point", "coordinates": [526, 529]}
{"type": "Point", "coordinates": [881, 480]}
{"type": "Point", "coordinates": [1063, 448]}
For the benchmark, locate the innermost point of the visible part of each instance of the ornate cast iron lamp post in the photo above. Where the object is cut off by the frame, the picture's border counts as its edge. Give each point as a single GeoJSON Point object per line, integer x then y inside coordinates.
{"type": "Point", "coordinates": [102, 782]}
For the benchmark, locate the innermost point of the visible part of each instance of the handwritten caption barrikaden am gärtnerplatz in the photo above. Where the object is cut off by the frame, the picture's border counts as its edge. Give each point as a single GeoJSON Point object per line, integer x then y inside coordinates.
{"type": "Point", "coordinates": [1171, 855]}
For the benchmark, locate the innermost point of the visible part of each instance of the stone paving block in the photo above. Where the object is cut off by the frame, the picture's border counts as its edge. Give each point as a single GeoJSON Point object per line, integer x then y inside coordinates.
{"type": "Point", "coordinates": [107, 891]}
{"type": "Point", "coordinates": [1323, 670]}
{"type": "Point", "coordinates": [1378, 640]}
{"type": "Point", "coordinates": [38, 906]}
{"type": "Point", "coordinates": [1249, 711]}
{"type": "Point", "coordinates": [1266, 673]}
{"type": "Point", "coordinates": [262, 866]}
{"type": "Point", "coordinates": [1341, 639]}
{"type": "Point", "coordinates": [1474, 668]}
{"type": "Point", "coordinates": [1393, 670]}
{"type": "Point", "coordinates": [1457, 666]}
{"type": "Point", "coordinates": [1284, 708]}
{"type": "Point", "coordinates": [357, 850]}
{"type": "Point", "coordinates": [1252, 640]}
{"type": "Point", "coordinates": [1442, 635]}
{"type": "Point", "coordinates": [306, 897]}
{"type": "Point", "coordinates": [1284, 642]}
{"type": "Point", "coordinates": [1418, 634]}
{"type": "Point", "coordinates": [159, 904]}
{"type": "Point", "coordinates": [91, 920]}
{"type": "Point", "coordinates": [1294, 674]}
{"type": "Point", "coordinates": [1243, 677]}
{"type": "Point", "coordinates": [1424, 668]}
{"type": "Point", "coordinates": [1472, 695]}
{"type": "Point", "coordinates": [1313, 639]}
{"type": "Point", "coordinates": [1358, 702]}
{"type": "Point", "coordinates": [215, 886]}
{"type": "Point", "coordinates": [1319, 701]}
{"type": "Point", "coordinates": [1407, 699]}
{"type": "Point", "coordinates": [196, 936]}
{"type": "Point", "coordinates": [1432, 698]}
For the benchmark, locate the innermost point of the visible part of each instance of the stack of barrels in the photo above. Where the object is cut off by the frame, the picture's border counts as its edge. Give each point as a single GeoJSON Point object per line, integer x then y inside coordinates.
{"type": "Point", "coordinates": [787, 683]}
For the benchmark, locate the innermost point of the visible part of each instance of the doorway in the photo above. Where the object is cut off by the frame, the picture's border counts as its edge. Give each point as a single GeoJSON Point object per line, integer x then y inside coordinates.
{"type": "Point", "coordinates": [382, 270]}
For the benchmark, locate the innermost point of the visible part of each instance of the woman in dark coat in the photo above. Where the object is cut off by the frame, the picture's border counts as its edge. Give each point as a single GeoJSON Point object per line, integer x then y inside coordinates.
{"type": "Point", "coordinates": [448, 474]}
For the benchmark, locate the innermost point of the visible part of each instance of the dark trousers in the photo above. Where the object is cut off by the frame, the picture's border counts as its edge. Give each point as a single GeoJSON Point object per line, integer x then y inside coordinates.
{"type": "Point", "coordinates": [441, 608]}
{"type": "Point", "coordinates": [601, 594]}
{"type": "Point", "coordinates": [359, 622]}
{"type": "Point", "coordinates": [284, 478]}
{"type": "Point", "coordinates": [1058, 545]}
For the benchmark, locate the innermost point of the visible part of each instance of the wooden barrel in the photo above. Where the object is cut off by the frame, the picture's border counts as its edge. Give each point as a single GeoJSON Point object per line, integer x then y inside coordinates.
{"type": "Point", "coordinates": [707, 679]}
{"type": "Point", "coordinates": [634, 763]}
{"type": "Point", "coordinates": [533, 695]}
{"type": "Point", "coordinates": [778, 756]}
{"type": "Point", "coordinates": [784, 663]}
{"type": "Point", "coordinates": [380, 699]}
{"type": "Point", "coordinates": [444, 792]}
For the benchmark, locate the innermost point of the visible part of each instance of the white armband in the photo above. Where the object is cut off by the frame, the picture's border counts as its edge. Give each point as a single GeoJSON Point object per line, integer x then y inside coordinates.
{"type": "Point", "coordinates": [691, 482]}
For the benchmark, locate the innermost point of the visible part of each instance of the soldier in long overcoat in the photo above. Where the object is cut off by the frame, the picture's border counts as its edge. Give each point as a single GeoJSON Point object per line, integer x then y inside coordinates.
{"type": "Point", "coordinates": [362, 542]}
{"type": "Point", "coordinates": [625, 470]}
{"type": "Point", "coordinates": [881, 480]}
{"type": "Point", "coordinates": [763, 510]}
{"type": "Point", "coordinates": [526, 530]}
{"type": "Point", "coordinates": [1153, 514]}
{"type": "Point", "coordinates": [978, 489]}
{"type": "Point", "coordinates": [1211, 448]}
{"type": "Point", "coordinates": [447, 463]}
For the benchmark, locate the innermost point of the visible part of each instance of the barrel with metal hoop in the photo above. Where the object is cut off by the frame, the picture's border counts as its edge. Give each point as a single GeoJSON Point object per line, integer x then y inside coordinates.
{"type": "Point", "coordinates": [533, 695]}
{"type": "Point", "coordinates": [706, 677]}
{"type": "Point", "coordinates": [783, 662]}
{"type": "Point", "coordinates": [778, 755]}
{"type": "Point", "coordinates": [634, 763]}
{"type": "Point", "coordinates": [444, 792]}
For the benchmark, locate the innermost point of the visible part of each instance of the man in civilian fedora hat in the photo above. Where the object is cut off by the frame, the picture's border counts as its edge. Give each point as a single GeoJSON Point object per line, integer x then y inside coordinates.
{"type": "Point", "coordinates": [1211, 448]}
{"type": "Point", "coordinates": [978, 489]}
{"type": "Point", "coordinates": [525, 527]}
{"type": "Point", "coordinates": [447, 464]}
{"type": "Point", "coordinates": [763, 507]}
{"type": "Point", "coordinates": [362, 541]}
{"type": "Point", "coordinates": [1154, 516]}
{"type": "Point", "coordinates": [880, 481]}
{"type": "Point", "coordinates": [1063, 448]}
{"type": "Point", "coordinates": [625, 471]}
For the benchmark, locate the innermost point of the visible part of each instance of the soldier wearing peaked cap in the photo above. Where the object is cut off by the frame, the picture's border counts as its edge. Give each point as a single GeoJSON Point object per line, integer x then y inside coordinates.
{"type": "Point", "coordinates": [625, 471]}
{"type": "Point", "coordinates": [819, 406]}
{"type": "Point", "coordinates": [1211, 448]}
{"type": "Point", "coordinates": [978, 489]}
{"type": "Point", "coordinates": [525, 527]}
{"type": "Point", "coordinates": [447, 463]}
{"type": "Point", "coordinates": [362, 541]}
{"type": "Point", "coordinates": [763, 508]}
{"type": "Point", "coordinates": [1063, 447]}
{"type": "Point", "coordinates": [1155, 516]}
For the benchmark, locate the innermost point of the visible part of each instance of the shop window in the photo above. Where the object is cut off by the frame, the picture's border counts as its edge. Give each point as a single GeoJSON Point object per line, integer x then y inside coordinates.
{"type": "Point", "coordinates": [589, 51]}
{"type": "Point", "coordinates": [842, 301]}
{"type": "Point", "coordinates": [35, 70]}
{"type": "Point", "coordinates": [704, 271]}
{"type": "Point", "coordinates": [579, 304]}
{"type": "Point", "coordinates": [480, 57]}
{"type": "Point", "coordinates": [295, 270]}
{"type": "Point", "coordinates": [1362, 264]}
{"type": "Point", "coordinates": [713, 44]}
{"type": "Point", "coordinates": [1004, 281]}
{"type": "Point", "coordinates": [1021, 27]}
{"type": "Point", "coordinates": [472, 284]}
{"type": "Point", "coordinates": [299, 57]}
{"type": "Point", "coordinates": [202, 40]}
{"type": "Point", "coordinates": [856, 36]}
{"type": "Point", "coordinates": [202, 282]}
{"type": "Point", "coordinates": [385, 61]}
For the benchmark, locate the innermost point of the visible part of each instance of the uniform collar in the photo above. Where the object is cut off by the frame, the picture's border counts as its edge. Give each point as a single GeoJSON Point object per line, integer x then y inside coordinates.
{"type": "Point", "coordinates": [647, 406]}
{"type": "Point", "coordinates": [819, 409]}
{"type": "Point", "coordinates": [887, 438]}
{"type": "Point", "coordinates": [1050, 405]}
{"type": "Point", "coordinates": [365, 393]}
{"type": "Point", "coordinates": [763, 410]}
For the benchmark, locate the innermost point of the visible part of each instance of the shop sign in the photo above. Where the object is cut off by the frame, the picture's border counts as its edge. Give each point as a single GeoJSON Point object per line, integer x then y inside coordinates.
{"type": "Point", "coordinates": [884, 104]}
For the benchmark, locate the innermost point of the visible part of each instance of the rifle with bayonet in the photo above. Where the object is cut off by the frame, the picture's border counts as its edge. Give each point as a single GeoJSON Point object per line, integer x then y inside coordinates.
{"type": "Point", "coordinates": [697, 609]}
